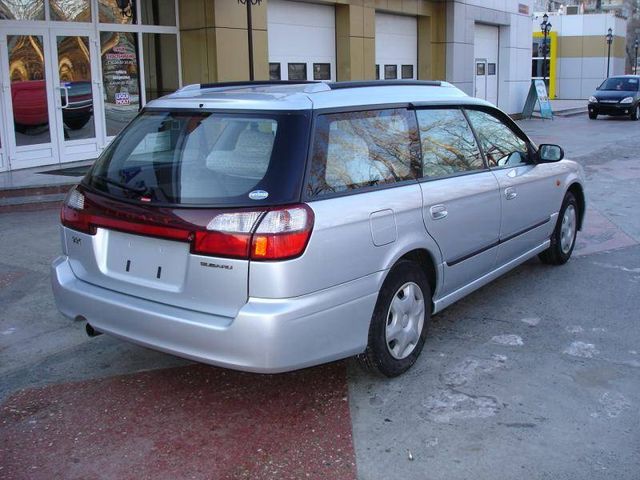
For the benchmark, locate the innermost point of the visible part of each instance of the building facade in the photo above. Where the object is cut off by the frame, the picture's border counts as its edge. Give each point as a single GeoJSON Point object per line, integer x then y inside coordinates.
{"type": "Point", "coordinates": [578, 55]}
{"type": "Point", "coordinates": [74, 72]}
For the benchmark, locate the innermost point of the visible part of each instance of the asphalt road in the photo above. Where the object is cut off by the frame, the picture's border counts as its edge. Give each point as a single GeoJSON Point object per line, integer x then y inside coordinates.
{"type": "Point", "coordinates": [534, 376]}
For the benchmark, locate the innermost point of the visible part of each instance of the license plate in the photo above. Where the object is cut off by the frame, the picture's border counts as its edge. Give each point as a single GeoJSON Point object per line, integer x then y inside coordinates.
{"type": "Point", "coordinates": [146, 260]}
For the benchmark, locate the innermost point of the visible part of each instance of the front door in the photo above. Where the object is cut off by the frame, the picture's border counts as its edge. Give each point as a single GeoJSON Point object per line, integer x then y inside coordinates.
{"type": "Point", "coordinates": [76, 86]}
{"type": "Point", "coordinates": [49, 89]}
{"type": "Point", "coordinates": [29, 117]}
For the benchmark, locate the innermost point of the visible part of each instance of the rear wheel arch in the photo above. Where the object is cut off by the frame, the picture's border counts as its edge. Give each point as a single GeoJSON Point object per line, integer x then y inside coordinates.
{"type": "Point", "coordinates": [578, 193]}
{"type": "Point", "coordinates": [427, 263]}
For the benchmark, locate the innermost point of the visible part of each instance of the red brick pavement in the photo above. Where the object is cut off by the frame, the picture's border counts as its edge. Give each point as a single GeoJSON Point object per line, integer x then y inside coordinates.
{"type": "Point", "coordinates": [191, 422]}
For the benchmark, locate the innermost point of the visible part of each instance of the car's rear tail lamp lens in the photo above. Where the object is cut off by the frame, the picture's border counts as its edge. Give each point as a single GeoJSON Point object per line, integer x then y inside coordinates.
{"type": "Point", "coordinates": [72, 214]}
{"type": "Point", "coordinates": [227, 235]}
{"type": "Point", "coordinates": [282, 234]}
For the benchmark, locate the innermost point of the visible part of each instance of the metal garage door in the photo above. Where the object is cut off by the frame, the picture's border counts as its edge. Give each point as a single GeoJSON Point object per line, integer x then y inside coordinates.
{"type": "Point", "coordinates": [302, 41]}
{"type": "Point", "coordinates": [396, 46]}
{"type": "Point", "coordinates": [486, 62]}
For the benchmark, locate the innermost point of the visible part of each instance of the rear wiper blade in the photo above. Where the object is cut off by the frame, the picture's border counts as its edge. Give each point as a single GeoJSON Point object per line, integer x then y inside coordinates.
{"type": "Point", "coordinates": [123, 186]}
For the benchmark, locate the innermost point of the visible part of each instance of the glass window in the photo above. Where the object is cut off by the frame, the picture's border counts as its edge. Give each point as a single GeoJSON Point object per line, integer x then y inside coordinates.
{"type": "Point", "coordinates": [74, 72]}
{"type": "Point", "coordinates": [620, 84]}
{"type": "Point", "coordinates": [322, 71]}
{"type": "Point", "coordinates": [448, 144]}
{"type": "Point", "coordinates": [120, 79]}
{"type": "Point", "coordinates": [28, 89]}
{"type": "Point", "coordinates": [407, 71]}
{"type": "Point", "coordinates": [297, 71]}
{"type": "Point", "coordinates": [501, 146]}
{"type": "Point", "coordinates": [363, 149]}
{"type": "Point", "coordinates": [480, 69]}
{"type": "Point", "coordinates": [117, 11]}
{"type": "Point", "coordinates": [390, 72]}
{"type": "Point", "coordinates": [491, 69]}
{"type": "Point", "coordinates": [160, 64]}
{"type": "Point", "coordinates": [274, 71]}
{"type": "Point", "coordinates": [70, 10]}
{"type": "Point", "coordinates": [158, 12]}
{"type": "Point", "coordinates": [377, 72]}
{"type": "Point", "coordinates": [537, 68]}
{"type": "Point", "coordinates": [21, 9]}
{"type": "Point", "coordinates": [205, 158]}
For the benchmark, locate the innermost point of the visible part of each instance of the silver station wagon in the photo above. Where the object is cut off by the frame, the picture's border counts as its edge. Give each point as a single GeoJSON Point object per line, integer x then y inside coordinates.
{"type": "Point", "coordinates": [272, 226]}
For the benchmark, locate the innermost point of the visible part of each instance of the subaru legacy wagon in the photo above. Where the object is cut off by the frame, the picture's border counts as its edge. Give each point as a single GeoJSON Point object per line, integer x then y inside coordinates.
{"type": "Point", "coordinates": [273, 226]}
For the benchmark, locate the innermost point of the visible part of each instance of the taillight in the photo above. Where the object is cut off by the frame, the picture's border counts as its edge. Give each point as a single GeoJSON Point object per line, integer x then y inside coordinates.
{"type": "Point", "coordinates": [72, 214]}
{"type": "Point", "coordinates": [227, 235]}
{"type": "Point", "coordinates": [282, 233]}
{"type": "Point", "coordinates": [275, 234]}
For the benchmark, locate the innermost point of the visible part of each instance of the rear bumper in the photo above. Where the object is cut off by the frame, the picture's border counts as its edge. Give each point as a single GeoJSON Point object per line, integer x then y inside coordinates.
{"type": "Point", "coordinates": [267, 335]}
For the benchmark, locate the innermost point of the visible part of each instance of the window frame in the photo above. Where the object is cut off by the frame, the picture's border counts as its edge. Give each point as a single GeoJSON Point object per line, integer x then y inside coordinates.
{"type": "Point", "coordinates": [484, 168]}
{"type": "Point", "coordinates": [306, 197]}
{"type": "Point", "coordinates": [506, 120]}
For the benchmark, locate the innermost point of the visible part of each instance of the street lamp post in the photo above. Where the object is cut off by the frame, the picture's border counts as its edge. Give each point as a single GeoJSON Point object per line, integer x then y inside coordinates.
{"type": "Point", "coordinates": [545, 27]}
{"type": "Point", "coordinates": [249, 4]}
{"type": "Point", "coordinates": [609, 38]}
{"type": "Point", "coordinates": [635, 65]}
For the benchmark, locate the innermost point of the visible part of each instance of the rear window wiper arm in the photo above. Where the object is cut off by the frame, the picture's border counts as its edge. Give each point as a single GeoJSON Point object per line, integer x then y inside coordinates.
{"type": "Point", "coordinates": [123, 186]}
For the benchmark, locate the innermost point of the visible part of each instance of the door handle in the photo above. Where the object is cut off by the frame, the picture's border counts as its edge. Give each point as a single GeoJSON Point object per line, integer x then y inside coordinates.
{"type": "Point", "coordinates": [438, 212]}
{"type": "Point", "coordinates": [510, 193]}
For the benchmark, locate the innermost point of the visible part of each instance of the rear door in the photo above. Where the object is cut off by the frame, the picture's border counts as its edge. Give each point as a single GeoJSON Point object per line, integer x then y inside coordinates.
{"type": "Point", "coordinates": [461, 202]}
{"type": "Point", "coordinates": [528, 192]}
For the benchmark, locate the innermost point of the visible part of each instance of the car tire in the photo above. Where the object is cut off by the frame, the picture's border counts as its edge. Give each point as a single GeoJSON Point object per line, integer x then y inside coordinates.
{"type": "Point", "coordinates": [635, 114]}
{"type": "Point", "coordinates": [406, 322]}
{"type": "Point", "coordinates": [563, 238]}
{"type": "Point", "coordinates": [593, 115]}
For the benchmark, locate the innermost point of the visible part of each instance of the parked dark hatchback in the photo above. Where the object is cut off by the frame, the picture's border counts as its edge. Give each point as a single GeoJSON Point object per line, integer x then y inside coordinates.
{"type": "Point", "coordinates": [617, 96]}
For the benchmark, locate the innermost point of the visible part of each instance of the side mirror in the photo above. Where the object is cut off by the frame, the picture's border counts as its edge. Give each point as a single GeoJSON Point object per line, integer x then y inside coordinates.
{"type": "Point", "coordinates": [550, 153]}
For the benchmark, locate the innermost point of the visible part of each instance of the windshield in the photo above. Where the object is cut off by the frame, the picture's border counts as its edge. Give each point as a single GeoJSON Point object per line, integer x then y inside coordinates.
{"type": "Point", "coordinates": [620, 84]}
{"type": "Point", "coordinates": [205, 158]}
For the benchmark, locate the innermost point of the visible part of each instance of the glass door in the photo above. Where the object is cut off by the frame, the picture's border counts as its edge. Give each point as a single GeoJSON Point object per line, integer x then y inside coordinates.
{"type": "Point", "coordinates": [28, 101]}
{"type": "Point", "coordinates": [76, 86]}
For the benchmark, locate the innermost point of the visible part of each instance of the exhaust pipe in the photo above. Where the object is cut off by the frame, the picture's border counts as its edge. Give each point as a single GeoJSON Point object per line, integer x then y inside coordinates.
{"type": "Point", "coordinates": [92, 332]}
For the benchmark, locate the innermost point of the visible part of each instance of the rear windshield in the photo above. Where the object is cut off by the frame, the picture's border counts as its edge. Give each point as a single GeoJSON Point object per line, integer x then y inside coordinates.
{"type": "Point", "coordinates": [206, 159]}
{"type": "Point", "coordinates": [620, 84]}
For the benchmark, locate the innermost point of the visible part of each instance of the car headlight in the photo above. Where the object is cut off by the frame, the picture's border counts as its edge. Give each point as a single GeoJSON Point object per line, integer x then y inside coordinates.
{"type": "Point", "coordinates": [593, 100]}
{"type": "Point", "coordinates": [627, 100]}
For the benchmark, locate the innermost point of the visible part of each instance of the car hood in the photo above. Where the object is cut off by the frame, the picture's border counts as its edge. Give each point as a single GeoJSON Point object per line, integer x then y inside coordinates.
{"type": "Point", "coordinates": [614, 94]}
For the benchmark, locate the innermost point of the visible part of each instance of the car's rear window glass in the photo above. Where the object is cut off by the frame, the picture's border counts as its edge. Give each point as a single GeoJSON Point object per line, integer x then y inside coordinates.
{"type": "Point", "coordinates": [448, 144]}
{"type": "Point", "coordinates": [363, 149]}
{"type": "Point", "coordinates": [205, 158]}
{"type": "Point", "coordinates": [620, 84]}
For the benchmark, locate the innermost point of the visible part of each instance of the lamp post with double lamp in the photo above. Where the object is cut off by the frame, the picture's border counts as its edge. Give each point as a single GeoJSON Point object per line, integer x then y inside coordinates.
{"type": "Point", "coordinates": [545, 27]}
{"type": "Point", "coordinates": [249, 4]}
{"type": "Point", "coordinates": [609, 38]}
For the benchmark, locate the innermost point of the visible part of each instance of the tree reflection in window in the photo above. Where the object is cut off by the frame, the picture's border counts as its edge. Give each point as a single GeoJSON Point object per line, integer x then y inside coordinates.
{"type": "Point", "coordinates": [448, 145]}
{"type": "Point", "coordinates": [362, 149]}
{"type": "Point", "coordinates": [502, 147]}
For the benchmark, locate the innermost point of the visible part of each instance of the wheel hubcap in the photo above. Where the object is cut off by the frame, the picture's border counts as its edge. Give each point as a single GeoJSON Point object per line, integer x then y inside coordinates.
{"type": "Point", "coordinates": [405, 320]}
{"type": "Point", "coordinates": [568, 229]}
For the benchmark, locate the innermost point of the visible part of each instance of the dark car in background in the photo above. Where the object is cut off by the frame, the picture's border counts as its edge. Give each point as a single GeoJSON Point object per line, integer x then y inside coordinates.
{"type": "Point", "coordinates": [617, 96]}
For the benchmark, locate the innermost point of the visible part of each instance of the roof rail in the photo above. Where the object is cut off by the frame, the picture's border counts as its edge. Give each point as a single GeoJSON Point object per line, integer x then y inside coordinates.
{"type": "Point", "coordinates": [383, 83]}
{"type": "Point", "coordinates": [256, 83]}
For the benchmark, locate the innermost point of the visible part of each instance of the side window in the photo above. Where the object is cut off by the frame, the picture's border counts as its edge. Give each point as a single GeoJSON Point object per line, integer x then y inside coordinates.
{"type": "Point", "coordinates": [502, 147]}
{"type": "Point", "coordinates": [362, 149]}
{"type": "Point", "coordinates": [448, 144]}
